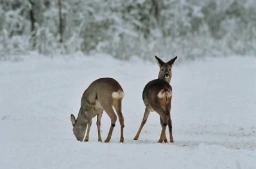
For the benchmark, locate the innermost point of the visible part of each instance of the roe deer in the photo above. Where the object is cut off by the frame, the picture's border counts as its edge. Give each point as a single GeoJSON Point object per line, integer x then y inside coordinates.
{"type": "Point", "coordinates": [101, 95]}
{"type": "Point", "coordinates": [157, 96]}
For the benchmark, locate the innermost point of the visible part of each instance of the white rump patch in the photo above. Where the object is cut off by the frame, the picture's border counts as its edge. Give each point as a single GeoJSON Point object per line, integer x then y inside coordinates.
{"type": "Point", "coordinates": [163, 94]}
{"type": "Point", "coordinates": [118, 95]}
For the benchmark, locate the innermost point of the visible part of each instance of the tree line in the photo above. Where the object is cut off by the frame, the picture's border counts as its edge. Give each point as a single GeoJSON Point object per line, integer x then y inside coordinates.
{"type": "Point", "coordinates": [189, 28]}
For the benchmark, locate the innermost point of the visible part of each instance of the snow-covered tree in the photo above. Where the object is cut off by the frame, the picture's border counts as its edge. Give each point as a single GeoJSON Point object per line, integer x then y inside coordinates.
{"type": "Point", "coordinates": [189, 28]}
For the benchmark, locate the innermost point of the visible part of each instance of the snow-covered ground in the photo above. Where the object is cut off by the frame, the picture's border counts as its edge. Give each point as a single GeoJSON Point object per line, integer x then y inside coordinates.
{"type": "Point", "coordinates": [213, 114]}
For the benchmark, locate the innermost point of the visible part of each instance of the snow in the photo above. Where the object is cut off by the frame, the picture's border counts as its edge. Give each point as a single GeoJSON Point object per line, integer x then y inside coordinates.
{"type": "Point", "coordinates": [213, 115]}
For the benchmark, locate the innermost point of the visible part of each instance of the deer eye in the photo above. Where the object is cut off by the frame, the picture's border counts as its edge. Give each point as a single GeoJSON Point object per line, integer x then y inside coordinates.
{"type": "Point", "coordinates": [169, 69]}
{"type": "Point", "coordinates": [162, 69]}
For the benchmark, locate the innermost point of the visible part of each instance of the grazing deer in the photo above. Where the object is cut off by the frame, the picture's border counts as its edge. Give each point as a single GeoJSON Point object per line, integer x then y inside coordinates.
{"type": "Point", "coordinates": [103, 94]}
{"type": "Point", "coordinates": [157, 96]}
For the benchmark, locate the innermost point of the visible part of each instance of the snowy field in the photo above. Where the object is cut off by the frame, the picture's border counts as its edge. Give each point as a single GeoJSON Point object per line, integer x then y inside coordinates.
{"type": "Point", "coordinates": [213, 114]}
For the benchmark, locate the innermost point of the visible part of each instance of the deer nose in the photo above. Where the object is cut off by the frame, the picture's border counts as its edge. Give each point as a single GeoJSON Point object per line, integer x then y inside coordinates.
{"type": "Point", "coordinates": [166, 75]}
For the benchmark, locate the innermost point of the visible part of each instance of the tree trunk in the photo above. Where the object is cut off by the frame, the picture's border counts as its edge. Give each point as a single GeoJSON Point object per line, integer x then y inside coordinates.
{"type": "Point", "coordinates": [61, 28]}
{"type": "Point", "coordinates": [33, 22]}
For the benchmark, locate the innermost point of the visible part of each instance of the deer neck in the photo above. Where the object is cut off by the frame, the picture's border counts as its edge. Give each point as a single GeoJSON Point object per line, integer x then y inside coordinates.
{"type": "Point", "coordinates": [82, 117]}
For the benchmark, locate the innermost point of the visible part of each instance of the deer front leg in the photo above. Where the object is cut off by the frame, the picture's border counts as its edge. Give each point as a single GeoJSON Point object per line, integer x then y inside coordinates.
{"type": "Point", "coordinates": [98, 123]}
{"type": "Point", "coordinates": [88, 131]}
{"type": "Point", "coordinates": [89, 116]}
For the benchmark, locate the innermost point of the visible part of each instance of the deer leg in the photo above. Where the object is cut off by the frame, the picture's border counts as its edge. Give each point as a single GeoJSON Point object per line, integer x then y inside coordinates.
{"type": "Point", "coordinates": [164, 121]}
{"type": "Point", "coordinates": [110, 112]}
{"type": "Point", "coordinates": [170, 129]}
{"type": "Point", "coordinates": [88, 131]}
{"type": "Point", "coordinates": [165, 139]}
{"type": "Point", "coordinates": [163, 135]}
{"type": "Point", "coordinates": [144, 120]}
{"type": "Point", "coordinates": [98, 123]}
{"type": "Point", "coordinates": [168, 108]}
{"type": "Point", "coordinates": [118, 108]}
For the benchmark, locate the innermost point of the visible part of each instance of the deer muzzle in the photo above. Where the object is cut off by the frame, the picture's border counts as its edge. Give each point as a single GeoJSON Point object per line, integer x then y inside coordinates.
{"type": "Point", "coordinates": [166, 75]}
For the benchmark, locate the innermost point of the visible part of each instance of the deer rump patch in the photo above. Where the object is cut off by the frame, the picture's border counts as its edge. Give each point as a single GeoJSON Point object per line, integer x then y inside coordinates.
{"type": "Point", "coordinates": [118, 95]}
{"type": "Point", "coordinates": [164, 93]}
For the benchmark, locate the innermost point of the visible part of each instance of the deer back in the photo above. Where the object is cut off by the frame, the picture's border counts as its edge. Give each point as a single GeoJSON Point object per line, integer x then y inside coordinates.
{"type": "Point", "coordinates": [102, 91]}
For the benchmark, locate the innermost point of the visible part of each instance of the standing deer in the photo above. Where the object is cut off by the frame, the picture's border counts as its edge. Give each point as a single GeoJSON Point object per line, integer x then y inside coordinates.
{"type": "Point", "coordinates": [103, 94]}
{"type": "Point", "coordinates": [157, 96]}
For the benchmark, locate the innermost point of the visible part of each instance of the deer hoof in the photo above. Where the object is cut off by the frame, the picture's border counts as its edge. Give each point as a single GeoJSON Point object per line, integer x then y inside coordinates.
{"type": "Point", "coordinates": [135, 138]}
{"type": "Point", "coordinates": [171, 140]}
{"type": "Point", "coordinates": [160, 141]}
{"type": "Point", "coordinates": [121, 140]}
{"type": "Point", "coordinates": [107, 141]}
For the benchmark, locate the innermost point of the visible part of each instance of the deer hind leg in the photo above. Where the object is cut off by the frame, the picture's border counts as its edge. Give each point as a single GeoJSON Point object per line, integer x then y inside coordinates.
{"type": "Point", "coordinates": [163, 134]}
{"type": "Point", "coordinates": [165, 138]}
{"type": "Point", "coordinates": [164, 121]}
{"type": "Point", "coordinates": [168, 108]}
{"type": "Point", "coordinates": [111, 113]}
{"type": "Point", "coordinates": [118, 108]}
{"type": "Point", "coordinates": [98, 123]}
{"type": "Point", "coordinates": [170, 129]}
{"type": "Point", "coordinates": [144, 120]}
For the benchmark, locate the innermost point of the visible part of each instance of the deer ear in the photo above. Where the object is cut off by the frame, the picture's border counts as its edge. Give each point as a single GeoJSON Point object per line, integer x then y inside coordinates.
{"type": "Point", "coordinates": [170, 62]}
{"type": "Point", "coordinates": [73, 120]}
{"type": "Point", "coordinates": [159, 61]}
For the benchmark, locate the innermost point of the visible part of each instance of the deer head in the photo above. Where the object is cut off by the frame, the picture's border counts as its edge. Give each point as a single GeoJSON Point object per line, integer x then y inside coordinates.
{"type": "Point", "coordinates": [79, 125]}
{"type": "Point", "coordinates": [165, 71]}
